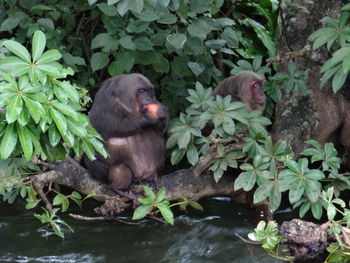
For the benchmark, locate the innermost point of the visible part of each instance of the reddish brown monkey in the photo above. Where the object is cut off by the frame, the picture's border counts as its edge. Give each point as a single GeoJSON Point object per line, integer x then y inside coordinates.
{"type": "Point", "coordinates": [132, 123]}
{"type": "Point", "coordinates": [246, 87]}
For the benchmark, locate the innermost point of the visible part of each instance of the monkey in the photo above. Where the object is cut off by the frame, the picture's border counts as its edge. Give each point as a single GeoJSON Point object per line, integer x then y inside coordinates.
{"type": "Point", "coordinates": [132, 123]}
{"type": "Point", "coordinates": [246, 87]}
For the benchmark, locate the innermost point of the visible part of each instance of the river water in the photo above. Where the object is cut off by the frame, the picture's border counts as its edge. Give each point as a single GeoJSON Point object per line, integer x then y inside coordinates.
{"type": "Point", "coordinates": [207, 237]}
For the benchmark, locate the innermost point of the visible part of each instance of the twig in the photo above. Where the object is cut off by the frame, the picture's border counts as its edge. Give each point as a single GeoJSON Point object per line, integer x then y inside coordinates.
{"type": "Point", "coordinates": [216, 140]}
{"type": "Point", "coordinates": [38, 186]}
{"type": "Point", "coordinates": [290, 55]}
{"type": "Point", "coordinates": [246, 240]}
{"type": "Point", "coordinates": [157, 219]}
{"type": "Point", "coordinates": [230, 10]}
{"type": "Point", "coordinates": [101, 218]}
{"type": "Point", "coordinates": [52, 166]}
{"type": "Point", "coordinates": [204, 161]}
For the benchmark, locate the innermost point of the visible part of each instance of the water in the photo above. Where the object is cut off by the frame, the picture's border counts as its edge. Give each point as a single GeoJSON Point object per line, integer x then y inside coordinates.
{"type": "Point", "coordinates": [207, 237]}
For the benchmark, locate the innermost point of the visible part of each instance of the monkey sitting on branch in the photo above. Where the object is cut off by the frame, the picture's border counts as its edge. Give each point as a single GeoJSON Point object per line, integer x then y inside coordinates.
{"type": "Point", "coordinates": [132, 123]}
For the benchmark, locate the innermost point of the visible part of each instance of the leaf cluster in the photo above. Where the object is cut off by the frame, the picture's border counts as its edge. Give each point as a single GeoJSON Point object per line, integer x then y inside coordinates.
{"type": "Point", "coordinates": [42, 112]}
{"type": "Point", "coordinates": [336, 36]}
{"type": "Point", "coordinates": [173, 42]}
{"type": "Point", "coordinates": [154, 201]}
{"type": "Point", "coordinates": [268, 237]}
{"type": "Point", "coordinates": [50, 218]}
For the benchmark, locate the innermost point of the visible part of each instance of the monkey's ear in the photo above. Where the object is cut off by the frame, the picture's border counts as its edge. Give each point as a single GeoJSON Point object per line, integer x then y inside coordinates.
{"type": "Point", "coordinates": [262, 77]}
{"type": "Point", "coordinates": [114, 85]}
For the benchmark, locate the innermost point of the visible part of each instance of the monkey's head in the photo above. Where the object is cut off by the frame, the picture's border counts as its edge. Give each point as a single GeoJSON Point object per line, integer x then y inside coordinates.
{"type": "Point", "coordinates": [256, 89]}
{"type": "Point", "coordinates": [247, 87]}
{"type": "Point", "coordinates": [133, 92]}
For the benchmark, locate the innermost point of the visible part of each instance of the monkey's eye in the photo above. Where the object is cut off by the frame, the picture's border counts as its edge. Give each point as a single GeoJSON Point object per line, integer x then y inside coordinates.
{"type": "Point", "coordinates": [142, 90]}
{"type": "Point", "coordinates": [256, 86]}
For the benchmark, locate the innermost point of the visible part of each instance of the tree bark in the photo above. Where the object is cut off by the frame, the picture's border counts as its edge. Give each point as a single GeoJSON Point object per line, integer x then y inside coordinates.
{"type": "Point", "coordinates": [319, 114]}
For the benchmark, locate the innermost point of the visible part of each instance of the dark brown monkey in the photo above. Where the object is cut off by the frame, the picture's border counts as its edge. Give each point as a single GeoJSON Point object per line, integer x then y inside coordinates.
{"type": "Point", "coordinates": [132, 131]}
{"type": "Point", "coordinates": [246, 87]}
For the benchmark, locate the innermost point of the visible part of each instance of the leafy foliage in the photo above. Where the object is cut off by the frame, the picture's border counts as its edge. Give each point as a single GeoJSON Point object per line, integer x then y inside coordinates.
{"type": "Point", "coordinates": [337, 32]}
{"type": "Point", "coordinates": [175, 43]}
{"type": "Point", "coordinates": [158, 201]}
{"type": "Point", "coordinates": [267, 236]}
{"type": "Point", "coordinates": [50, 218]}
{"type": "Point", "coordinates": [154, 201]}
{"type": "Point", "coordinates": [42, 111]}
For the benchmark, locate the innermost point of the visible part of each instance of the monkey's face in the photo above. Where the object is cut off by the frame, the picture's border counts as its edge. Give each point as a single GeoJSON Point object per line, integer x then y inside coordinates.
{"type": "Point", "coordinates": [256, 88]}
{"type": "Point", "coordinates": [144, 96]}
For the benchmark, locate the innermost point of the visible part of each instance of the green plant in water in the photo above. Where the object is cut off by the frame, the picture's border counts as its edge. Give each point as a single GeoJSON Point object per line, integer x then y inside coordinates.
{"type": "Point", "coordinates": [155, 203]}
{"type": "Point", "coordinates": [50, 218]}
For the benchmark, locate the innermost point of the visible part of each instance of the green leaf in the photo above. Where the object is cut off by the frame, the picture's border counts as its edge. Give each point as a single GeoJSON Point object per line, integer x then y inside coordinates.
{"type": "Point", "coordinates": [331, 212]}
{"type": "Point", "coordinates": [17, 49]}
{"type": "Point", "coordinates": [123, 7]}
{"type": "Point", "coordinates": [86, 147]}
{"type": "Point", "coordinates": [104, 41]}
{"type": "Point", "coordinates": [49, 56]}
{"type": "Point", "coordinates": [304, 208]}
{"type": "Point", "coordinates": [167, 18]}
{"type": "Point", "coordinates": [35, 108]}
{"type": "Point", "coordinates": [143, 43]}
{"type": "Point", "coordinates": [262, 192]}
{"type": "Point", "coordinates": [109, 10]}
{"type": "Point", "coordinates": [339, 80]}
{"type": "Point", "coordinates": [215, 44]}
{"type": "Point", "coordinates": [196, 205]}
{"type": "Point", "coordinates": [54, 135]}
{"type": "Point", "coordinates": [136, 5]}
{"type": "Point", "coordinates": [317, 210]}
{"type": "Point", "coordinates": [194, 45]}
{"type": "Point", "coordinates": [15, 65]}
{"type": "Point", "coordinates": [160, 195]}
{"type": "Point", "coordinates": [65, 109]}
{"type": "Point", "coordinates": [145, 200]}
{"type": "Point", "coordinates": [196, 68]}
{"type": "Point", "coordinates": [184, 140]}
{"type": "Point", "coordinates": [14, 108]}
{"type": "Point", "coordinates": [8, 142]}
{"type": "Point", "coordinates": [148, 191]}
{"type": "Point", "coordinates": [98, 61]}
{"type": "Point", "coordinates": [198, 28]}
{"type": "Point", "coordinates": [76, 129]}
{"type": "Point", "coordinates": [11, 22]}
{"type": "Point", "coordinates": [59, 120]}
{"type": "Point", "coordinates": [166, 213]}
{"type": "Point", "coordinates": [245, 180]}
{"type": "Point", "coordinates": [38, 44]}
{"type": "Point", "coordinates": [26, 141]}
{"type": "Point", "coordinates": [52, 69]}
{"type": "Point", "coordinates": [141, 212]}
{"type": "Point", "coordinates": [228, 125]}
{"type": "Point", "coordinates": [177, 40]}
{"type": "Point", "coordinates": [127, 43]}
{"type": "Point", "coordinates": [296, 194]}
{"type": "Point", "coordinates": [192, 154]}
{"type": "Point", "coordinates": [177, 155]}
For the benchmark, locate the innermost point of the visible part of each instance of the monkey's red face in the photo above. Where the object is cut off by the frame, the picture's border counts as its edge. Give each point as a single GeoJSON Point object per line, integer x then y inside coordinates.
{"type": "Point", "coordinates": [256, 88]}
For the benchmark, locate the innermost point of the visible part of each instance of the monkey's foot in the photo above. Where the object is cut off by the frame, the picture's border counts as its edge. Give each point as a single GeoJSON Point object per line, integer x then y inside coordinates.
{"type": "Point", "coordinates": [129, 194]}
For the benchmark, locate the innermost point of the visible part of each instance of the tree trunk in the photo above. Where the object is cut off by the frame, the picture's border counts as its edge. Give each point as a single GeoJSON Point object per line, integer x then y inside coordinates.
{"type": "Point", "coordinates": [320, 114]}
